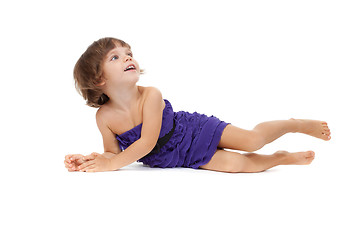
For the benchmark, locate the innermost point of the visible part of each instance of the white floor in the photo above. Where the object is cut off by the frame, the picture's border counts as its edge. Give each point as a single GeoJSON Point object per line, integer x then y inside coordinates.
{"type": "Point", "coordinates": [287, 202]}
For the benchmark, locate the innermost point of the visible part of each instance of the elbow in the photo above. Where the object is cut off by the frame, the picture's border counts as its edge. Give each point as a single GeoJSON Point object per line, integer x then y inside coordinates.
{"type": "Point", "coordinates": [149, 145]}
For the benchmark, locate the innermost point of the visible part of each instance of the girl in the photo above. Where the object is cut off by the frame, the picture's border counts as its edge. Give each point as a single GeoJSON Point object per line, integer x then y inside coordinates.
{"type": "Point", "coordinates": [137, 124]}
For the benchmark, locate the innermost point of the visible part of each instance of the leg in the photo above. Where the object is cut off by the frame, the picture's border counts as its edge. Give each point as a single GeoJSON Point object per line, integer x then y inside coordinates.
{"type": "Point", "coordinates": [233, 162]}
{"type": "Point", "coordinates": [264, 133]}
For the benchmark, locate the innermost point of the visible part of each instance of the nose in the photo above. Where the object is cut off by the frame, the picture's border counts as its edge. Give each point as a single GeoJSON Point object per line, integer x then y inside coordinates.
{"type": "Point", "coordinates": [127, 58]}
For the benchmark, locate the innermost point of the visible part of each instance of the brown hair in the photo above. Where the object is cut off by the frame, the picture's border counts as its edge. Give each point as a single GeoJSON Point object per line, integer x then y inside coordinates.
{"type": "Point", "coordinates": [88, 70]}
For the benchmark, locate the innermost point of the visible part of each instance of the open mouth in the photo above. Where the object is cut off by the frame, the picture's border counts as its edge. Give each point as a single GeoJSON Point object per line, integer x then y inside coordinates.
{"type": "Point", "coordinates": [130, 68]}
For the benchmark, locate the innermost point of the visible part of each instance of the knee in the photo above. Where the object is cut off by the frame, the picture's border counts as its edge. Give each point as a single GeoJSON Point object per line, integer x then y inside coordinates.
{"type": "Point", "coordinates": [255, 141]}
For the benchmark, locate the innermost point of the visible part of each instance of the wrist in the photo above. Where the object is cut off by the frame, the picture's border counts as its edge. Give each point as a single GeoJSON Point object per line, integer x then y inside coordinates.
{"type": "Point", "coordinates": [113, 163]}
{"type": "Point", "coordinates": [108, 154]}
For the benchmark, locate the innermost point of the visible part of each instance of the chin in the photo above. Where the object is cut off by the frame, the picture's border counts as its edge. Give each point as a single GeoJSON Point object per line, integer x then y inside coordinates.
{"type": "Point", "coordinates": [135, 79]}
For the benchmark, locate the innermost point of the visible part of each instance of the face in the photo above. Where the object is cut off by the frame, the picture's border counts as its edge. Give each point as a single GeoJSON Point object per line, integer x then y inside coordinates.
{"type": "Point", "coordinates": [120, 67]}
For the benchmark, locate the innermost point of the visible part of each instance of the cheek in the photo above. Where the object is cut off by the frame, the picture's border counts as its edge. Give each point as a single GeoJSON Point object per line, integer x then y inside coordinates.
{"type": "Point", "coordinates": [113, 72]}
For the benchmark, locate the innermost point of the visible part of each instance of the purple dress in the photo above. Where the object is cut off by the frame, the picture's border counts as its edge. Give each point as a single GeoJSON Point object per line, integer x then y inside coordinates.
{"type": "Point", "coordinates": [193, 143]}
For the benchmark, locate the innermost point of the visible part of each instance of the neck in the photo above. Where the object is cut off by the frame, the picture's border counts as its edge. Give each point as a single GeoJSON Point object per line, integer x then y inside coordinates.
{"type": "Point", "coordinates": [124, 98]}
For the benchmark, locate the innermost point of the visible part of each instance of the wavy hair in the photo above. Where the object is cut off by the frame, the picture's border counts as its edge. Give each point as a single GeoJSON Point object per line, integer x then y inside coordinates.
{"type": "Point", "coordinates": [88, 70]}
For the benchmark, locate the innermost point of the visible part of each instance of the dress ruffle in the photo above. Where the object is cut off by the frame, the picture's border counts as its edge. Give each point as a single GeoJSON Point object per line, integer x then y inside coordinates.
{"type": "Point", "coordinates": [193, 143]}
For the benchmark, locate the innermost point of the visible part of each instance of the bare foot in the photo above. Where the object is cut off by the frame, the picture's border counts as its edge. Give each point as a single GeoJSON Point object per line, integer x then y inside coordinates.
{"type": "Point", "coordinates": [313, 128]}
{"type": "Point", "coordinates": [298, 158]}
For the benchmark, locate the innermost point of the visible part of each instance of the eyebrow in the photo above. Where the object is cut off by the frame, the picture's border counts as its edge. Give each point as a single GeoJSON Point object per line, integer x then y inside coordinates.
{"type": "Point", "coordinates": [114, 50]}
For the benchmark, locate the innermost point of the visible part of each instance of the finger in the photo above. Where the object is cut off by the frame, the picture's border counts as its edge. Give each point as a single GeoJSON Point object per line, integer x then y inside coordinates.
{"type": "Point", "coordinates": [81, 160]}
{"type": "Point", "coordinates": [95, 154]}
{"type": "Point", "coordinates": [71, 170]}
{"type": "Point", "coordinates": [69, 167]}
{"type": "Point", "coordinates": [67, 157]}
{"type": "Point", "coordinates": [68, 164]}
{"type": "Point", "coordinates": [85, 164]}
{"type": "Point", "coordinates": [77, 156]}
{"type": "Point", "coordinates": [92, 156]}
{"type": "Point", "coordinates": [73, 157]}
{"type": "Point", "coordinates": [89, 157]}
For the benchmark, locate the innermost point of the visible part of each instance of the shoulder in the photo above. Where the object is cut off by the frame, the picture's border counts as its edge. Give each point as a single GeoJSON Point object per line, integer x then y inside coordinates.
{"type": "Point", "coordinates": [151, 96]}
{"type": "Point", "coordinates": [151, 92]}
{"type": "Point", "coordinates": [102, 115]}
{"type": "Point", "coordinates": [152, 100]}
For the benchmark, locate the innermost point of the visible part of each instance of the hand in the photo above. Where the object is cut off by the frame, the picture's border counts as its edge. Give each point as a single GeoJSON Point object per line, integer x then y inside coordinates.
{"type": "Point", "coordinates": [96, 163]}
{"type": "Point", "coordinates": [73, 161]}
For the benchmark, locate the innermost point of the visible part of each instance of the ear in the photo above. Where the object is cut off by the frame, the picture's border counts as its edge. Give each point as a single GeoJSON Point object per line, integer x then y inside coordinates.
{"type": "Point", "coordinates": [101, 82]}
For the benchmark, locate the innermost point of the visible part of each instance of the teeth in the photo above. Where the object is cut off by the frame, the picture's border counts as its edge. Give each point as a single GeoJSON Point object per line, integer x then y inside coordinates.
{"type": "Point", "coordinates": [130, 67]}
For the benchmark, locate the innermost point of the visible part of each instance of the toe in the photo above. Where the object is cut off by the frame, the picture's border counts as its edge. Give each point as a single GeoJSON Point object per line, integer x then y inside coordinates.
{"type": "Point", "coordinates": [310, 154]}
{"type": "Point", "coordinates": [326, 137]}
{"type": "Point", "coordinates": [326, 132]}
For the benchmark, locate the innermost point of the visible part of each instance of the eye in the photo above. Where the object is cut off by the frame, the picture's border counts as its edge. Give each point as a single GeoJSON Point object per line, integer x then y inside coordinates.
{"type": "Point", "coordinates": [114, 57]}
{"type": "Point", "coordinates": [130, 54]}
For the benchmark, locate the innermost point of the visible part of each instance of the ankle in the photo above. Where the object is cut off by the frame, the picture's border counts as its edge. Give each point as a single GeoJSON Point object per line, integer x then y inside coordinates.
{"type": "Point", "coordinates": [294, 125]}
{"type": "Point", "coordinates": [282, 157]}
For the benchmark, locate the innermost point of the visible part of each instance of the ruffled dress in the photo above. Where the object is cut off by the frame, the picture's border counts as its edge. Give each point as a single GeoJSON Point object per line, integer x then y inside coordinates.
{"type": "Point", "coordinates": [193, 143]}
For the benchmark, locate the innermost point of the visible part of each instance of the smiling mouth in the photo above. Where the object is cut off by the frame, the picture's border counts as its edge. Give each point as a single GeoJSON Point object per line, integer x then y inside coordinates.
{"type": "Point", "coordinates": [130, 68]}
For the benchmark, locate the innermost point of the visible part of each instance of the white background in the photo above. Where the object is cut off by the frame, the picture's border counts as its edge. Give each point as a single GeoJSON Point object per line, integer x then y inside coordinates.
{"type": "Point", "coordinates": [242, 61]}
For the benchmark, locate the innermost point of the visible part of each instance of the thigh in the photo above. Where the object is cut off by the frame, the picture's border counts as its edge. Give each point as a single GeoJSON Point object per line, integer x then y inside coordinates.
{"type": "Point", "coordinates": [239, 139]}
{"type": "Point", "coordinates": [225, 161]}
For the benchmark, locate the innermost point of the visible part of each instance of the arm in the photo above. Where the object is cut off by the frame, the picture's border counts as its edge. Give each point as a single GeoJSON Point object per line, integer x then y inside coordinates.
{"type": "Point", "coordinates": [150, 131]}
{"type": "Point", "coordinates": [113, 158]}
{"type": "Point", "coordinates": [111, 147]}
{"type": "Point", "coordinates": [74, 162]}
